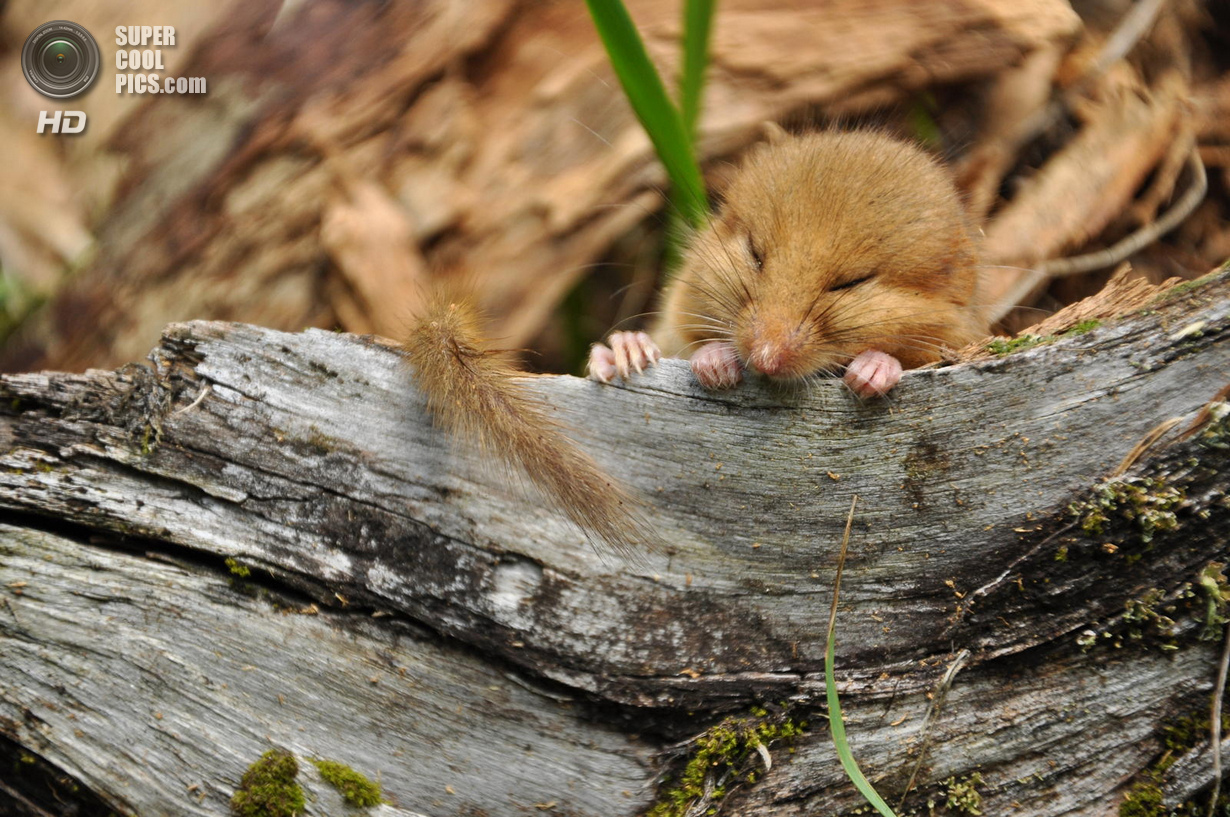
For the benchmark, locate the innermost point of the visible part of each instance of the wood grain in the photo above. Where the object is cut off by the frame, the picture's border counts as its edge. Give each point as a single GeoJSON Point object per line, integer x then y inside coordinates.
{"type": "Point", "coordinates": [308, 459]}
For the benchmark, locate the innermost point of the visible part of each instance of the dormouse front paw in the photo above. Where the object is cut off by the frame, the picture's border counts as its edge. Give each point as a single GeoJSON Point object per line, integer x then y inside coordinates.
{"type": "Point", "coordinates": [716, 365]}
{"type": "Point", "coordinates": [872, 373]}
{"type": "Point", "coordinates": [628, 352]}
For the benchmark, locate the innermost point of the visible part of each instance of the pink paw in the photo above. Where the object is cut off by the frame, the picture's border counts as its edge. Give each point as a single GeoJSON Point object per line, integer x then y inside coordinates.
{"type": "Point", "coordinates": [872, 373]}
{"type": "Point", "coordinates": [716, 365]}
{"type": "Point", "coordinates": [628, 351]}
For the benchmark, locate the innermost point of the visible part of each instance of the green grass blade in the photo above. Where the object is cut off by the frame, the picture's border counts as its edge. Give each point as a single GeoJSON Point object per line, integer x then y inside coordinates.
{"type": "Point", "coordinates": [838, 730]}
{"type": "Point", "coordinates": [837, 726]}
{"type": "Point", "coordinates": [697, 23]}
{"type": "Point", "coordinates": [659, 116]}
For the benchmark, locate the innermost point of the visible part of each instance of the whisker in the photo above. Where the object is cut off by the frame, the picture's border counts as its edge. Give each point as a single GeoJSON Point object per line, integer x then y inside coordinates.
{"type": "Point", "coordinates": [701, 327]}
{"type": "Point", "coordinates": [698, 343]}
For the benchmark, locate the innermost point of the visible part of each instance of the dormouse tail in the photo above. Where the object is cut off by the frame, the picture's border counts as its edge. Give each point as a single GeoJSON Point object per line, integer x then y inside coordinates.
{"type": "Point", "coordinates": [471, 392]}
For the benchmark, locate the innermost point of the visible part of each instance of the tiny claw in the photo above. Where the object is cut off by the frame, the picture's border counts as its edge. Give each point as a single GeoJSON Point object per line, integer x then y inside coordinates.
{"type": "Point", "coordinates": [628, 351]}
{"type": "Point", "coordinates": [652, 352]}
{"type": "Point", "coordinates": [716, 365]}
{"type": "Point", "coordinates": [601, 366]}
{"type": "Point", "coordinates": [872, 373]}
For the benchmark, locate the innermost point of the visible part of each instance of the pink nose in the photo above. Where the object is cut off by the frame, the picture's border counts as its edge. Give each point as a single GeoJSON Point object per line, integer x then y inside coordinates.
{"type": "Point", "coordinates": [772, 358]}
{"type": "Point", "coordinates": [775, 345]}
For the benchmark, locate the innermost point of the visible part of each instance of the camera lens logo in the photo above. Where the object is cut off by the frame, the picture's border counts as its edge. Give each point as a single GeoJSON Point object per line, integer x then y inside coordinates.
{"type": "Point", "coordinates": [60, 59]}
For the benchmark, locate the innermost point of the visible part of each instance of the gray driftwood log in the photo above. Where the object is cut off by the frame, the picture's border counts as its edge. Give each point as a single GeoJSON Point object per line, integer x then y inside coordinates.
{"type": "Point", "coordinates": [411, 612]}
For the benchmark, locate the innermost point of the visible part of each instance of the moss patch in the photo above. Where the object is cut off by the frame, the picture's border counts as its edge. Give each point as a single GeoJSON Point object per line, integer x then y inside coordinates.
{"type": "Point", "coordinates": [723, 758]}
{"type": "Point", "coordinates": [962, 795]}
{"type": "Point", "coordinates": [268, 787]}
{"type": "Point", "coordinates": [355, 788]}
{"type": "Point", "coordinates": [1212, 584]}
{"type": "Point", "coordinates": [1216, 433]}
{"type": "Point", "coordinates": [1178, 290]}
{"type": "Point", "coordinates": [1006, 346]}
{"type": "Point", "coordinates": [1144, 798]}
{"type": "Point", "coordinates": [1147, 617]}
{"type": "Point", "coordinates": [240, 570]}
{"type": "Point", "coordinates": [1149, 503]}
{"type": "Point", "coordinates": [1152, 618]}
{"type": "Point", "coordinates": [1003, 347]}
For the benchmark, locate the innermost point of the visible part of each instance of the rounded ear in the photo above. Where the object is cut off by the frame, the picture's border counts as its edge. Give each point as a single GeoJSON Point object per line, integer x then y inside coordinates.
{"type": "Point", "coordinates": [773, 132]}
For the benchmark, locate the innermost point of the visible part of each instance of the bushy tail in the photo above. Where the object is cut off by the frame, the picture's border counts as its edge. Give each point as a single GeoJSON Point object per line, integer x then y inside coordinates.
{"type": "Point", "coordinates": [471, 392]}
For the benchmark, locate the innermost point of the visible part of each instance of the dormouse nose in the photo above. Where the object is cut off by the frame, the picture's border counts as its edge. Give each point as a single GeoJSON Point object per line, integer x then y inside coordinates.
{"type": "Point", "coordinates": [775, 346]}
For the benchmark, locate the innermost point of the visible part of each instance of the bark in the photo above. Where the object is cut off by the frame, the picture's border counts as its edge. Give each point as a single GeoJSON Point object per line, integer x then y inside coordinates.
{"type": "Point", "coordinates": [410, 610]}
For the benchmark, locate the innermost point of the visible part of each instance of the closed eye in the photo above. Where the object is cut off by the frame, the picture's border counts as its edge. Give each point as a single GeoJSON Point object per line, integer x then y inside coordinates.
{"type": "Point", "coordinates": [852, 283]}
{"type": "Point", "coordinates": [757, 256]}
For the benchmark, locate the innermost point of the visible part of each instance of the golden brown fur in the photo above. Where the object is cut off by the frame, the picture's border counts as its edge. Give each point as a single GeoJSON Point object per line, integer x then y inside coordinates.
{"type": "Point", "coordinates": [873, 216]}
{"type": "Point", "coordinates": [827, 246]}
{"type": "Point", "coordinates": [472, 392]}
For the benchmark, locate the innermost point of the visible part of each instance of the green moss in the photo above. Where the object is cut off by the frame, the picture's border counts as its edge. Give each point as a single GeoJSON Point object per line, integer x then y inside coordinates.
{"type": "Point", "coordinates": [1216, 433]}
{"type": "Point", "coordinates": [1145, 617]}
{"type": "Point", "coordinates": [240, 570]}
{"type": "Point", "coordinates": [1006, 346]}
{"type": "Point", "coordinates": [1019, 343]}
{"type": "Point", "coordinates": [1212, 584]}
{"type": "Point", "coordinates": [1081, 328]}
{"type": "Point", "coordinates": [354, 787]}
{"type": "Point", "coordinates": [724, 757]}
{"type": "Point", "coordinates": [1144, 799]}
{"type": "Point", "coordinates": [268, 787]}
{"type": "Point", "coordinates": [1187, 286]}
{"type": "Point", "coordinates": [922, 122]}
{"type": "Point", "coordinates": [1143, 608]}
{"type": "Point", "coordinates": [1149, 503]}
{"type": "Point", "coordinates": [962, 795]}
{"type": "Point", "coordinates": [1152, 616]}
{"type": "Point", "coordinates": [150, 438]}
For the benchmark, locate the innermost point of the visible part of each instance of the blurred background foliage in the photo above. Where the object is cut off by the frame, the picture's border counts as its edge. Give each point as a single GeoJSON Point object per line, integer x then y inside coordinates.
{"type": "Point", "coordinates": [346, 154]}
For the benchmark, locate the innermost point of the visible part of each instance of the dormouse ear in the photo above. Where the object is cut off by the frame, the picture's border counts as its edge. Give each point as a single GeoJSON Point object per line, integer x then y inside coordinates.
{"type": "Point", "coordinates": [774, 133]}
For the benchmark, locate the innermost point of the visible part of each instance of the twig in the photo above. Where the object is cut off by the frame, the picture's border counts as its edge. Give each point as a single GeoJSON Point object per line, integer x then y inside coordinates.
{"type": "Point", "coordinates": [998, 580]}
{"type": "Point", "coordinates": [1146, 442]}
{"type": "Point", "coordinates": [933, 712]}
{"type": "Point", "coordinates": [205, 390]}
{"type": "Point", "coordinates": [1063, 267]}
{"type": "Point", "coordinates": [1146, 235]}
{"type": "Point", "coordinates": [1205, 414]}
{"type": "Point", "coordinates": [1132, 28]}
{"type": "Point", "coordinates": [841, 563]}
{"type": "Point", "coordinates": [1165, 179]}
{"type": "Point", "coordinates": [1134, 25]}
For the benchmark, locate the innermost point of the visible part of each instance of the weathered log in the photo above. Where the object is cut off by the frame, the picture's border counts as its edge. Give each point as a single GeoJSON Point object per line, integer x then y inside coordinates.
{"type": "Point", "coordinates": [411, 611]}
